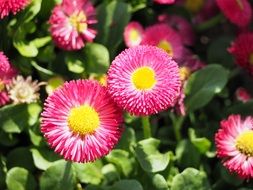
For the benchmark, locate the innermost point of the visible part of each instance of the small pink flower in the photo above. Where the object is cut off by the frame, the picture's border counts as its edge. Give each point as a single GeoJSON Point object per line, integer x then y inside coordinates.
{"type": "Point", "coordinates": [144, 80]}
{"type": "Point", "coordinates": [70, 24]}
{"type": "Point", "coordinates": [12, 6]}
{"type": "Point", "coordinates": [234, 143]}
{"type": "Point", "coordinates": [242, 50]}
{"type": "Point", "coordinates": [164, 37]}
{"type": "Point", "coordinates": [133, 34]}
{"type": "Point", "coordinates": [239, 12]}
{"type": "Point", "coordinates": [80, 121]}
{"type": "Point", "coordinates": [165, 1]}
{"type": "Point", "coordinates": [7, 72]}
{"type": "Point", "coordinates": [181, 25]}
{"type": "Point", "coordinates": [242, 95]}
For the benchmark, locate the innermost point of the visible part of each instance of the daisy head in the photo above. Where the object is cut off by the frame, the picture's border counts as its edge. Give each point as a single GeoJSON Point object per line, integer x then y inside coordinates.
{"type": "Point", "coordinates": [7, 72]}
{"type": "Point", "coordinates": [239, 12]}
{"type": "Point", "coordinates": [80, 121]}
{"type": "Point", "coordinates": [242, 50]}
{"type": "Point", "coordinates": [234, 143]}
{"type": "Point", "coordinates": [144, 80]}
{"type": "Point", "coordinates": [71, 24]}
{"type": "Point", "coordinates": [12, 6]}
{"type": "Point", "coordinates": [164, 37]}
{"type": "Point", "coordinates": [133, 34]}
{"type": "Point", "coordinates": [23, 90]}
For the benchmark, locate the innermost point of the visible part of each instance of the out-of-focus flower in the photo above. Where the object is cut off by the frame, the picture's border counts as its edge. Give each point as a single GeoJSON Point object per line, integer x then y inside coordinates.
{"type": "Point", "coordinates": [144, 80]}
{"type": "Point", "coordinates": [71, 22]}
{"type": "Point", "coordinates": [242, 50]}
{"type": "Point", "coordinates": [181, 25]}
{"type": "Point", "coordinates": [242, 94]}
{"type": "Point", "coordinates": [133, 34]}
{"type": "Point", "coordinates": [81, 122]}
{"type": "Point", "coordinates": [12, 6]}
{"type": "Point", "coordinates": [54, 83]}
{"type": "Point", "coordinates": [101, 78]}
{"type": "Point", "coordinates": [193, 6]}
{"type": "Point", "coordinates": [164, 37]}
{"type": "Point", "coordinates": [234, 143]}
{"type": "Point", "coordinates": [23, 90]}
{"type": "Point", "coordinates": [7, 72]}
{"type": "Point", "coordinates": [165, 1]}
{"type": "Point", "coordinates": [239, 12]}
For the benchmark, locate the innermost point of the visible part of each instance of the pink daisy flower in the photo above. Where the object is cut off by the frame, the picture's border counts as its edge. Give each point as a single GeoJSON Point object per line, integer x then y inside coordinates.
{"type": "Point", "coordinates": [163, 36]}
{"type": "Point", "coordinates": [165, 1]}
{"type": "Point", "coordinates": [12, 6]}
{"type": "Point", "coordinates": [242, 95]}
{"type": "Point", "coordinates": [181, 25]}
{"type": "Point", "coordinates": [242, 50]}
{"type": "Point", "coordinates": [133, 34]}
{"type": "Point", "coordinates": [80, 121]}
{"type": "Point", "coordinates": [234, 143]}
{"type": "Point", "coordinates": [239, 12]}
{"type": "Point", "coordinates": [70, 24]}
{"type": "Point", "coordinates": [7, 72]}
{"type": "Point", "coordinates": [144, 80]}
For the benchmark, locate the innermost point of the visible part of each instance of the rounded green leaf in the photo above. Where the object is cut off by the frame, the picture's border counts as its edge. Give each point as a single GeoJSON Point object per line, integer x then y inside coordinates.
{"type": "Point", "coordinates": [203, 85]}
{"type": "Point", "coordinates": [127, 185]}
{"type": "Point", "coordinates": [20, 179]}
{"type": "Point", "coordinates": [58, 176]}
{"type": "Point", "coordinates": [190, 179]}
{"type": "Point", "coordinates": [150, 159]}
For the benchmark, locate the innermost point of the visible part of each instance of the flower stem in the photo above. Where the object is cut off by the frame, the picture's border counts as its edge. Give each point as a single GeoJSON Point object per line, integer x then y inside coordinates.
{"type": "Point", "coordinates": [146, 126]}
{"type": "Point", "coordinates": [177, 123]}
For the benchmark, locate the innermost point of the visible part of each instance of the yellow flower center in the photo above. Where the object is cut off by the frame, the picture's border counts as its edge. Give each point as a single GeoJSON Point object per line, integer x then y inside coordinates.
{"type": "Point", "coordinates": [251, 59]}
{"type": "Point", "coordinates": [166, 46]}
{"type": "Point", "coordinates": [143, 78]}
{"type": "Point", "coordinates": [244, 143]}
{"type": "Point", "coordinates": [134, 35]}
{"type": "Point", "coordinates": [184, 73]}
{"type": "Point", "coordinates": [83, 120]}
{"type": "Point", "coordinates": [79, 21]}
{"type": "Point", "coordinates": [239, 2]}
{"type": "Point", "coordinates": [194, 5]}
{"type": "Point", "coordinates": [2, 86]}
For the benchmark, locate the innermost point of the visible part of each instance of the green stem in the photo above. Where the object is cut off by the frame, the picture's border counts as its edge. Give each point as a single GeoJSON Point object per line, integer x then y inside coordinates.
{"type": "Point", "coordinates": [177, 123]}
{"type": "Point", "coordinates": [146, 126]}
{"type": "Point", "coordinates": [210, 23]}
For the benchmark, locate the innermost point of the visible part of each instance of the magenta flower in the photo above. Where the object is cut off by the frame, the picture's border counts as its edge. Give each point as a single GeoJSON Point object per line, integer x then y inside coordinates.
{"type": "Point", "coordinates": [234, 143]}
{"type": "Point", "coordinates": [144, 80]}
{"type": "Point", "coordinates": [165, 1]}
{"type": "Point", "coordinates": [165, 37]}
{"type": "Point", "coordinates": [80, 121]}
{"type": "Point", "coordinates": [239, 12]}
{"type": "Point", "coordinates": [7, 72]}
{"type": "Point", "coordinates": [71, 24]}
{"type": "Point", "coordinates": [181, 25]}
{"type": "Point", "coordinates": [242, 94]}
{"type": "Point", "coordinates": [133, 34]}
{"type": "Point", "coordinates": [12, 6]}
{"type": "Point", "coordinates": [242, 50]}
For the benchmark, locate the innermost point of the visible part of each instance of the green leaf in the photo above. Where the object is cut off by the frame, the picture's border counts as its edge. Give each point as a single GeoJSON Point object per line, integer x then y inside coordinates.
{"type": "Point", "coordinates": [230, 178]}
{"type": "Point", "coordinates": [158, 182]}
{"type": "Point", "coordinates": [128, 140]}
{"type": "Point", "coordinates": [203, 85]}
{"type": "Point", "coordinates": [90, 173]}
{"type": "Point", "coordinates": [24, 158]}
{"type": "Point", "coordinates": [43, 158]}
{"type": "Point", "coordinates": [20, 179]}
{"type": "Point", "coordinates": [97, 58]}
{"type": "Point", "coordinates": [122, 160]}
{"type": "Point", "coordinates": [202, 144]}
{"type": "Point", "coordinates": [75, 62]}
{"type": "Point", "coordinates": [8, 139]}
{"type": "Point", "coordinates": [190, 179]}
{"type": "Point", "coordinates": [3, 171]}
{"type": "Point", "coordinates": [58, 176]}
{"type": "Point", "coordinates": [126, 185]}
{"type": "Point", "coordinates": [187, 155]}
{"type": "Point", "coordinates": [112, 19]}
{"type": "Point", "coordinates": [11, 122]}
{"type": "Point", "coordinates": [150, 159]}
{"type": "Point", "coordinates": [110, 172]}
{"type": "Point", "coordinates": [242, 108]}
